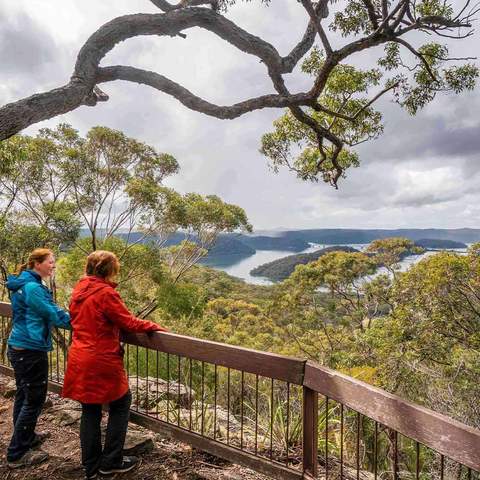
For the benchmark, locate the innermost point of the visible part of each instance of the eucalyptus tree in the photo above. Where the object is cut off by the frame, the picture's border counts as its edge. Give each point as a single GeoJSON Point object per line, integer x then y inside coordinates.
{"type": "Point", "coordinates": [113, 185]}
{"type": "Point", "coordinates": [201, 219]}
{"type": "Point", "coordinates": [428, 348]}
{"type": "Point", "coordinates": [116, 182]}
{"type": "Point", "coordinates": [333, 115]}
{"type": "Point", "coordinates": [35, 207]}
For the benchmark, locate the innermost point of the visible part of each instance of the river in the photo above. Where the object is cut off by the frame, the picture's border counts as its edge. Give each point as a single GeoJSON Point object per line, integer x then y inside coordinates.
{"type": "Point", "coordinates": [240, 266]}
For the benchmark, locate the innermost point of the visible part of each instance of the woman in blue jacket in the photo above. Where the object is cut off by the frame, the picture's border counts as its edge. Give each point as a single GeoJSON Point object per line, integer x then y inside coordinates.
{"type": "Point", "coordinates": [34, 315]}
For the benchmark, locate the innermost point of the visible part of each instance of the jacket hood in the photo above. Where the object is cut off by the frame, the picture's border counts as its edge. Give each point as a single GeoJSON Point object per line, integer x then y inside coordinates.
{"type": "Point", "coordinates": [87, 286]}
{"type": "Point", "coordinates": [15, 283]}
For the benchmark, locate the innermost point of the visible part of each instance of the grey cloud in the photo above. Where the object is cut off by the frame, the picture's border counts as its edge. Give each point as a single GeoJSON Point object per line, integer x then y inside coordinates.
{"type": "Point", "coordinates": [25, 48]}
{"type": "Point", "coordinates": [421, 199]}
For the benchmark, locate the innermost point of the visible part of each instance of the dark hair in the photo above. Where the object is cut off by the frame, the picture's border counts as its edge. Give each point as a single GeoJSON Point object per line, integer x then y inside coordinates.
{"type": "Point", "coordinates": [103, 264]}
{"type": "Point", "coordinates": [39, 255]}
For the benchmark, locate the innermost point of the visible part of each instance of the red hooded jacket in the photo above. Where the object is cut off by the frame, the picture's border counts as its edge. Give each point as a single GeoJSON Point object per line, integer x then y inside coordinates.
{"type": "Point", "coordinates": [95, 372]}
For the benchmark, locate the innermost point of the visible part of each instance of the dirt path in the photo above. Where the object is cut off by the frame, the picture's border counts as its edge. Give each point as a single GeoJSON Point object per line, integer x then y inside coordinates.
{"type": "Point", "coordinates": [166, 460]}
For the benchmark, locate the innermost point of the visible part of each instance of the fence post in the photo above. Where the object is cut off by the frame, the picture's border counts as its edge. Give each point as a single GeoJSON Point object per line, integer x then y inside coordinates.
{"type": "Point", "coordinates": [310, 432]}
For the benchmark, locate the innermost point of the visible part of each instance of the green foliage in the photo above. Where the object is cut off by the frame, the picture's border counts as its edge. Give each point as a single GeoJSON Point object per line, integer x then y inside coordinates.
{"type": "Point", "coordinates": [341, 94]}
{"type": "Point", "coordinates": [389, 252]}
{"type": "Point", "coordinates": [434, 7]}
{"type": "Point", "coordinates": [352, 20]}
{"type": "Point", "coordinates": [392, 59]}
{"type": "Point", "coordinates": [283, 267]}
{"type": "Point", "coordinates": [432, 76]}
{"type": "Point", "coordinates": [319, 142]}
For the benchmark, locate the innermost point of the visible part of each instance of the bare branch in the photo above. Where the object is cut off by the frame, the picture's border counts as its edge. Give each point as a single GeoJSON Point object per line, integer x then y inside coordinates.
{"type": "Point", "coordinates": [418, 55]}
{"type": "Point", "coordinates": [290, 61]}
{"type": "Point", "coordinates": [194, 102]}
{"type": "Point", "coordinates": [317, 20]}
{"type": "Point", "coordinates": [375, 98]}
{"type": "Point", "coordinates": [372, 14]}
{"type": "Point", "coordinates": [443, 21]}
{"type": "Point", "coordinates": [18, 115]}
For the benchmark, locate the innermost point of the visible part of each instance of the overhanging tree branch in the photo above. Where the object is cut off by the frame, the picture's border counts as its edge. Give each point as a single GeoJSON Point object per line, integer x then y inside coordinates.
{"type": "Point", "coordinates": [385, 23]}
{"type": "Point", "coordinates": [194, 102]}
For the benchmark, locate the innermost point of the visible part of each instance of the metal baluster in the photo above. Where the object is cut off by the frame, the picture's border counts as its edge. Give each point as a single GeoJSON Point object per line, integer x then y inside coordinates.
{"type": "Point", "coordinates": [202, 421]}
{"type": "Point", "coordinates": [168, 388]}
{"type": "Point", "coordinates": [271, 419]}
{"type": "Point", "coordinates": [190, 383]}
{"type": "Point", "coordinates": [228, 405]}
{"type": "Point", "coordinates": [178, 390]}
{"type": "Point", "coordinates": [241, 409]}
{"type": "Point", "coordinates": [50, 365]}
{"type": "Point", "coordinates": [156, 372]}
{"type": "Point", "coordinates": [442, 467]}
{"type": "Point", "coordinates": [58, 354]}
{"type": "Point", "coordinates": [358, 446]}
{"type": "Point", "coordinates": [215, 405]}
{"type": "Point", "coordinates": [395, 452]}
{"type": "Point", "coordinates": [138, 373]}
{"type": "Point", "coordinates": [64, 350]}
{"type": "Point", "coordinates": [2, 323]}
{"type": "Point", "coordinates": [375, 452]}
{"type": "Point", "coordinates": [256, 414]}
{"type": "Point", "coordinates": [288, 424]}
{"type": "Point", "coordinates": [326, 438]}
{"type": "Point", "coordinates": [147, 405]}
{"type": "Point", "coordinates": [341, 440]}
{"type": "Point", "coordinates": [417, 461]}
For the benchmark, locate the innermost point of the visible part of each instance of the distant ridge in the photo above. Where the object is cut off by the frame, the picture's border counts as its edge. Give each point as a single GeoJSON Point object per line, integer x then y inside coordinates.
{"type": "Point", "coordinates": [433, 243]}
{"type": "Point", "coordinates": [299, 240]}
{"type": "Point", "coordinates": [335, 236]}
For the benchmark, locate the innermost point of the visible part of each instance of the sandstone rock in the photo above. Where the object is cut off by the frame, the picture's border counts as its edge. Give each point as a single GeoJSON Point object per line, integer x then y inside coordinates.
{"type": "Point", "coordinates": [64, 412]}
{"type": "Point", "coordinates": [151, 391]}
{"type": "Point", "coordinates": [138, 443]}
{"type": "Point", "coordinates": [67, 417]}
{"type": "Point", "coordinates": [10, 389]}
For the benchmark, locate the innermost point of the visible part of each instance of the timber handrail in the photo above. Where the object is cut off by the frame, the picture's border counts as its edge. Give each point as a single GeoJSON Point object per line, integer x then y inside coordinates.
{"type": "Point", "coordinates": [443, 434]}
{"type": "Point", "coordinates": [439, 432]}
{"type": "Point", "coordinates": [271, 365]}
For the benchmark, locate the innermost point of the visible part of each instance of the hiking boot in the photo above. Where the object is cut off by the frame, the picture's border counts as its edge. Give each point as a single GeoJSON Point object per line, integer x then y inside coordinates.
{"type": "Point", "coordinates": [39, 438]}
{"type": "Point", "coordinates": [30, 458]}
{"type": "Point", "coordinates": [129, 463]}
{"type": "Point", "coordinates": [91, 477]}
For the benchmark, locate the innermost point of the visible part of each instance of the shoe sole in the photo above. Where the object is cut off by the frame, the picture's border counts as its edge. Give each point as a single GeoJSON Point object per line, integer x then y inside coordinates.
{"type": "Point", "coordinates": [13, 466]}
{"type": "Point", "coordinates": [119, 470]}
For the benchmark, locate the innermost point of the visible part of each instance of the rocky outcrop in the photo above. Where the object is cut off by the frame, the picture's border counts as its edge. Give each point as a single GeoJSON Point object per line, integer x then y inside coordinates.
{"type": "Point", "coordinates": [149, 392]}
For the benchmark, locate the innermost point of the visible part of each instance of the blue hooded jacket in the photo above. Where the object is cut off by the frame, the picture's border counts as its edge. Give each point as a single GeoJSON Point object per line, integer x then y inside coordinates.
{"type": "Point", "coordinates": [34, 313]}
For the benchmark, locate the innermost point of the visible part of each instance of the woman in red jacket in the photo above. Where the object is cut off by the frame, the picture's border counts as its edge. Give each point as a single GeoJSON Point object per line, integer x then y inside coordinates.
{"type": "Point", "coordinates": [95, 373]}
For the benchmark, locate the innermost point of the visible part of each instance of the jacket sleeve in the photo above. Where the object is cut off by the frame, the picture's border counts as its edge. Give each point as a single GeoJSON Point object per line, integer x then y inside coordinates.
{"type": "Point", "coordinates": [45, 308]}
{"type": "Point", "coordinates": [117, 313]}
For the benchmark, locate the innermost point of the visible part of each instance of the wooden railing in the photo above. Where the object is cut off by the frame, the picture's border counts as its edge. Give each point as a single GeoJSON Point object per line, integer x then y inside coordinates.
{"type": "Point", "coordinates": [284, 417]}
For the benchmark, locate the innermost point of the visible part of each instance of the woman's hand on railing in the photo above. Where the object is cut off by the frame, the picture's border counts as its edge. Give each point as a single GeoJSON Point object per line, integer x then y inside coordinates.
{"type": "Point", "coordinates": [159, 329]}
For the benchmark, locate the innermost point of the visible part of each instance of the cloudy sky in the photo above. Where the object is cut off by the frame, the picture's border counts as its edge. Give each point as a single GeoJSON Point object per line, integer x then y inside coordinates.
{"type": "Point", "coordinates": [423, 172]}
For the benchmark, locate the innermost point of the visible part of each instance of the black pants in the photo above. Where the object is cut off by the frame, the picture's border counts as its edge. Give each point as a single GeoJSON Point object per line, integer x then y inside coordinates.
{"type": "Point", "coordinates": [31, 378]}
{"type": "Point", "coordinates": [93, 457]}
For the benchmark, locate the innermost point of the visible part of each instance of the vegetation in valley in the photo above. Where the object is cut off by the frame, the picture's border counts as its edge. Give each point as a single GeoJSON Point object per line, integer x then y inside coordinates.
{"type": "Point", "coordinates": [283, 267]}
